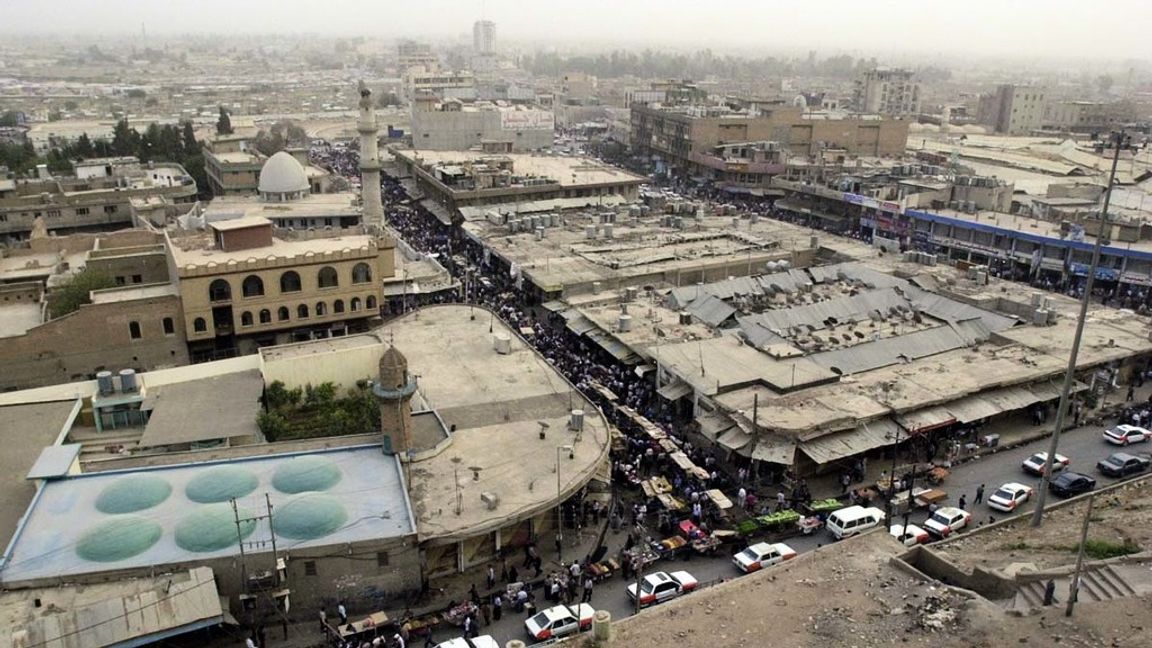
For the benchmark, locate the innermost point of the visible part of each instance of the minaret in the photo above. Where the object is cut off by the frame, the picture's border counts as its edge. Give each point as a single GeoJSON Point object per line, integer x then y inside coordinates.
{"type": "Point", "coordinates": [393, 390]}
{"type": "Point", "coordinates": [369, 159]}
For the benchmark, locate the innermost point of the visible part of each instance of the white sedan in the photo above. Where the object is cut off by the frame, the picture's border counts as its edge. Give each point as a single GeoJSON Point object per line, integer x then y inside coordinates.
{"type": "Point", "coordinates": [483, 641]}
{"type": "Point", "coordinates": [909, 536]}
{"type": "Point", "coordinates": [1125, 434]}
{"type": "Point", "coordinates": [559, 621]}
{"type": "Point", "coordinates": [761, 555]}
{"type": "Point", "coordinates": [1009, 496]}
{"type": "Point", "coordinates": [1035, 464]}
{"type": "Point", "coordinates": [946, 520]}
{"type": "Point", "coordinates": [661, 586]}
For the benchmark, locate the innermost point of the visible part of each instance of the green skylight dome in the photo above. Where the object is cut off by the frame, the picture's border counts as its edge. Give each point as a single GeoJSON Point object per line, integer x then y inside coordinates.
{"type": "Point", "coordinates": [220, 484]}
{"type": "Point", "coordinates": [309, 516]}
{"type": "Point", "coordinates": [132, 494]}
{"type": "Point", "coordinates": [303, 474]}
{"type": "Point", "coordinates": [118, 538]}
{"type": "Point", "coordinates": [212, 527]}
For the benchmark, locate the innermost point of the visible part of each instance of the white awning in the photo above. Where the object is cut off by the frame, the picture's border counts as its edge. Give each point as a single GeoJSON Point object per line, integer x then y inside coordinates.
{"type": "Point", "coordinates": [713, 425]}
{"type": "Point", "coordinates": [675, 390]}
{"type": "Point", "coordinates": [972, 408]}
{"type": "Point", "coordinates": [864, 437]}
{"type": "Point", "coordinates": [734, 439]}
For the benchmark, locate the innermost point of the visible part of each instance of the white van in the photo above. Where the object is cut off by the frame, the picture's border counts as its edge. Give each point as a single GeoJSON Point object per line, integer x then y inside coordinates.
{"type": "Point", "coordinates": [850, 521]}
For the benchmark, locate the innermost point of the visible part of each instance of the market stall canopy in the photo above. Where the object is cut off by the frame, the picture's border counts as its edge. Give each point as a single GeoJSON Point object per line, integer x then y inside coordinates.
{"type": "Point", "coordinates": [774, 449]}
{"type": "Point", "coordinates": [862, 438]}
{"type": "Point", "coordinates": [674, 390]}
{"type": "Point", "coordinates": [928, 418]}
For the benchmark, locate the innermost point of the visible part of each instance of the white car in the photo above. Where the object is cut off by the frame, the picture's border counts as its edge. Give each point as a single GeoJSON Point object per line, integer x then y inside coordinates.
{"type": "Point", "coordinates": [909, 536]}
{"type": "Point", "coordinates": [559, 621]}
{"type": "Point", "coordinates": [1035, 464]}
{"type": "Point", "coordinates": [1125, 434]}
{"type": "Point", "coordinates": [761, 555]}
{"type": "Point", "coordinates": [483, 641]}
{"type": "Point", "coordinates": [1009, 496]}
{"type": "Point", "coordinates": [661, 586]}
{"type": "Point", "coordinates": [946, 520]}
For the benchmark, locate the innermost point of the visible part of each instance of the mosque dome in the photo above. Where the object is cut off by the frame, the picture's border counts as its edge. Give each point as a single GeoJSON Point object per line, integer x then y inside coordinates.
{"type": "Point", "coordinates": [283, 177]}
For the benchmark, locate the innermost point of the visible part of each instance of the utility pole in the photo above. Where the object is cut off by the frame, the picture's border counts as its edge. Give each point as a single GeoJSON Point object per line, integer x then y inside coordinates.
{"type": "Point", "coordinates": [1074, 586]}
{"type": "Point", "coordinates": [1117, 139]}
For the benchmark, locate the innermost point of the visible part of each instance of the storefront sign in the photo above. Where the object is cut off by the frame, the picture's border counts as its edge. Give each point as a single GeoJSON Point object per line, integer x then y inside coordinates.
{"type": "Point", "coordinates": [1135, 278]}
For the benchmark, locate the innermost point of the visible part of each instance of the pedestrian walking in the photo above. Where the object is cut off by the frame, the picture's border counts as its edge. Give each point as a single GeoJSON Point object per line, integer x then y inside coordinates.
{"type": "Point", "coordinates": [323, 621]}
{"type": "Point", "coordinates": [979, 494]}
{"type": "Point", "coordinates": [588, 584]}
{"type": "Point", "coordinates": [497, 607]}
{"type": "Point", "coordinates": [963, 503]}
{"type": "Point", "coordinates": [1131, 395]}
{"type": "Point", "coordinates": [469, 627]}
{"type": "Point", "coordinates": [559, 544]}
{"type": "Point", "coordinates": [491, 576]}
{"type": "Point", "coordinates": [486, 612]}
{"type": "Point", "coordinates": [343, 612]}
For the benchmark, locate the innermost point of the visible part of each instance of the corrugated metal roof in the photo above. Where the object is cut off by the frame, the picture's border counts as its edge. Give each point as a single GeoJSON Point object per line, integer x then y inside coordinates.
{"type": "Point", "coordinates": [580, 325]}
{"type": "Point", "coordinates": [950, 310]}
{"type": "Point", "coordinates": [711, 310]}
{"type": "Point", "coordinates": [734, 439]}
{"type": "Point", "coordinates": [855, 272]}
{"type": "Point", "coordinates": [759, 336]}
{"type": "Point", "coordinates": [774, 449]}
{"type": "Point", "coordinates": [713, 425]}
{"type": "Point", "coordinates": [674, 390]}
{"type": "Point", "coordinates": [864, 437]}
{"type": "Point", "coordinates": [888, 351]}
{"type": "Point", "coordinates": [926, 418]}
{"type": "Point", "coordinates": [972, 408]}
{"type": "Point", "coordinates": [614, 347]}
{"type": "Point", "coordinates": [844, 309]}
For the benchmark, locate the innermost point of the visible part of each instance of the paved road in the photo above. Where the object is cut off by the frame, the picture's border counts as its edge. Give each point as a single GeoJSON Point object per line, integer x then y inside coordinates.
{"type": "Point", "coordinates": [1082, 445]}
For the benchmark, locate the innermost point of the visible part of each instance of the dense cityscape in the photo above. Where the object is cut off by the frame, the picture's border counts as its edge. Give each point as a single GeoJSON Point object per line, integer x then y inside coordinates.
{"type": "Point", "coordinates": [496, 327]}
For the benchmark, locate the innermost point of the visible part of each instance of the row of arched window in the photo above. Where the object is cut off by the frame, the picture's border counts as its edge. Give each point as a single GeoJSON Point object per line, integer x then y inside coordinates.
{"type": "Point", "coordinates": [253, 286]}
{"type": "Point", "coordinates": [284, 314]}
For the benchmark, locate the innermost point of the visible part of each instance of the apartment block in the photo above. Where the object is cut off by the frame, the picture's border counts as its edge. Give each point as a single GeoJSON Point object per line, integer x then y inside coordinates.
{"type": "Point", "coordinates": [887, 91]}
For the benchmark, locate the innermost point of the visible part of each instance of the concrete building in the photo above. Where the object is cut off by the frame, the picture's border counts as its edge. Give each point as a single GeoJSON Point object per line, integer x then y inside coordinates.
{"type": "Point", "coordinates": [1091, 116]}
{"type": "Point", "coordinates": [454, 182]}
{"type": "Point", "coordinates": [578, 86]}
{"type": "Point", "coordinates": [484, 37]}
{"type": "Point", "coordinates": [887, 91]}
{"type": "Point", "coordinates": [672, 136]}
{"type": "Point", "coordinates": [242, 287]}
{"type": "Point", "coordinates": [99, 198]}
{"type": "Point", "coordinates": [497, 402]}
{"type": "Point", "coordinates": [411, 54]}
{"type": "Point", "coordinates": [1012, 109]}
{"type": "Point", "coordinates": [232, 164]}
{"type": "Point", "coordinates": [446, 84]}
{"type": "Point", "coordinates": [452, 125]}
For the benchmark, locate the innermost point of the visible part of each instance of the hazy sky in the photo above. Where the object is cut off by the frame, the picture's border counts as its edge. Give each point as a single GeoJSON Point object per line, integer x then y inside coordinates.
{"type": "Point", "coordinates": [1028, 28]}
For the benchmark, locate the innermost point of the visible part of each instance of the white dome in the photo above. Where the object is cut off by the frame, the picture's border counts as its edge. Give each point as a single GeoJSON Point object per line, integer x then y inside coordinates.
{"type": "Point", "coordinates": [282, 174]}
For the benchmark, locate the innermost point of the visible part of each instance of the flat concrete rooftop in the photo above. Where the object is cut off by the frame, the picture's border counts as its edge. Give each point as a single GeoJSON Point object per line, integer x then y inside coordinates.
{"type": "Point", "coordinates": [566, 171]}
{"type": "Point", "coordinates": [17, 318]}
{"type": "Point", "coordinates": [310, 206]}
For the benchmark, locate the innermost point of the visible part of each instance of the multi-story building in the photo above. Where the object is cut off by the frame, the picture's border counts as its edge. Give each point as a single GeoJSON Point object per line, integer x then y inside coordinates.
{"type": "Point", "coordinates": [232, 164]}
{"type": "Point", "coordinates": [484, 37]}
{"type": "Point", "coordinates": [578, 86]}
{"type": "Point", "coordinates": [887, 91]}
{"type": "Point", "coordinates": [410, 54]}
{"type": "Point", "coordinates": [1012, 110]}
{"type": "Point", "coordinates": [671, 136]}
{"type": "Point", "coordinates": [446, 84]}
{"type": "Point", "coordinates": [452, 125]}
{"type": "Point", "coordinates": [1089, 116]}
{"type": "Point", "coordinates": [243, 288]}
{"type": "Point", "coordinates": [97, 199]}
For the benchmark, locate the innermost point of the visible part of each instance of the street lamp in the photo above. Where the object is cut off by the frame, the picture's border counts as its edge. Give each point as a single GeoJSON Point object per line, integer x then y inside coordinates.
{"type": "Point", "coordinates": [1118, 139]}
{"type": "Point", "coordinates": [560, 503]}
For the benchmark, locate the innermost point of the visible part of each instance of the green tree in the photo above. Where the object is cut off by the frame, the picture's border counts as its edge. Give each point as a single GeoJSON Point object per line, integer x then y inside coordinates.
{"type": "Point", "coordinates": [136, 93]}
{"type": "Point", "coordinates": [188, 138]}
{"type": "Point", "coordinates": [273, 425]}
{"type": "Point", "coordinates": [84, 146]}
{"type": "Point", "coordinates": [224, 123]}
{"type": "Point", "coordinates": [69, 296]}
{"type": "Point", "coordinates": [9, 118]}
{"type": "Point", "coordinates": [125, 139]}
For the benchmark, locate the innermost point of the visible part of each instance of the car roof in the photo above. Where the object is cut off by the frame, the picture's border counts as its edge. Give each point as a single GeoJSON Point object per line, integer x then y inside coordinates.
{"type": "Point", "coordinates": [761, 547]}
{"type": "Point", "coordinates": [557, 612]}
{"type": "Point", "coordinates": [1122, 456]}
{"type": "Point", "coordinates": [1126, 427]}
{"type": "Point", "coordinates": [658, 577]}
{"type": "Point", "coordinates": [1014, 486]}
{"type": "Point", "coordinates": [1069, 476]}
{"type": "Point", "coordinates": [950, 510]}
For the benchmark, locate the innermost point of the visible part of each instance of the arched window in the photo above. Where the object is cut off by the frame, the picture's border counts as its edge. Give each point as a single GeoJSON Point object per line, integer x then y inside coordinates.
{"type": "Point", "coordinates": [253, 286]}
{"type": "Point", "coordinates": [321, 309]}
{"type": "Point", "coordinates": [338, 306]}
{"type": "Point", "coordinates": [361, 273]}
{"type": "Point", "coordinates": [327, 277]}
{"type": "Point", "coordinates": [355, 304]}
{"type": "Point", "coordinates": [199, 325]}
{"type": "Point", "coordinates": [246, 319]}
{"type": "Point", "coordinates": [265, 316]}
{"type": "Point", "coordinates": [282, 314]}
{"type": "Point", "coordinates": [290, 282]}
{"type": "Point", "coordinates": [219, 290]}
{"type": "Point", "coordinates": [370, 302]}
{"type": "Point", "coordinates": [302, 311]}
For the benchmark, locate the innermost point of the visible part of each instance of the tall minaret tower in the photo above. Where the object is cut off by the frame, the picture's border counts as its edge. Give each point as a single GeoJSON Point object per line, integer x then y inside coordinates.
{"type": "Point", "coordinates": [393, 390]}
{"type": "Point", "coordinates": [369, 159]}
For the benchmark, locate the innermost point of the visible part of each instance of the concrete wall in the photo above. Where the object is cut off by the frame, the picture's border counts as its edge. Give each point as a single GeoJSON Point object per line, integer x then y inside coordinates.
{"type": "Point", "coordinates": [342, 367]}
{"type": "Point", "coordinates": [439, 130]}
{"type": "Point", "coordinates": [76, 346]}
{"type": "Point", "coordinates": [150, 265]}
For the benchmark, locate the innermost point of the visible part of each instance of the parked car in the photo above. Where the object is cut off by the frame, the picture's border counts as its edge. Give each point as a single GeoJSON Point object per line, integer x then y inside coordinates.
{"type": "Point", "coordinates": [1009, 496]}
{"type": "Point", "coordinates": [1071, 483]}
{"type": "Point", "coordinates": [559, 621]}
{"type": "Point", "coordinates": [1126, 434]}
{"type": "Point", "coordinates": [483, 641]}
{"type": "Point", "coordinates": [947, 520]}
{"type": "Point", "coordinates": [909, 536]}
{"type": "Point", "coordinates": [1122, 464]}
{"type": "Point", "coordinates": [1035, 464]}
{"type": "Point", "coordinates": [662, 586]}
{"type": "Point", "coordinates": [853, 520]}
{"type": "Point", "coordinates": [761, 555]}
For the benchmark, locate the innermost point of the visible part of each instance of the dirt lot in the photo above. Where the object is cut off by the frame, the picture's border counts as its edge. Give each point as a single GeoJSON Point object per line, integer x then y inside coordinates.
{"type": "Point", "coordinates": [1120, 516]}
{"type": "Point", "coordinates": [850, 596]}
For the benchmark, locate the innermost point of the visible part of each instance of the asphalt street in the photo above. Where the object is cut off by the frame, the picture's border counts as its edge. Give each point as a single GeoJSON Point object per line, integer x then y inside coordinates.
{"type": "Point", "coordinates": [1084, 446]}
